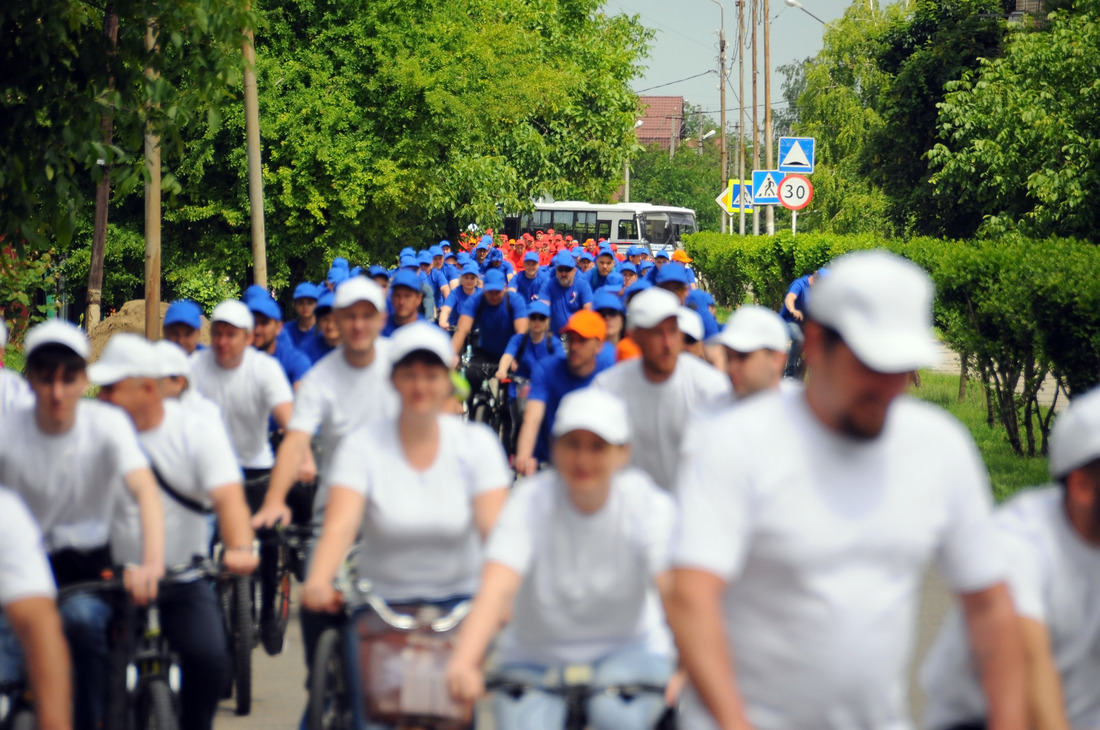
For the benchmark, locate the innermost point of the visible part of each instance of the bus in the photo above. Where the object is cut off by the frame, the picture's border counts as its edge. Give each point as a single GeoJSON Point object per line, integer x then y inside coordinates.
{"type": "Point", "coordinates": [637, 224]}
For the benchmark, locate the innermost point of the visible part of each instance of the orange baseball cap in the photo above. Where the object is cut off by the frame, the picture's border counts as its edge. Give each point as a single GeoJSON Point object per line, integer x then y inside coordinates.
{"type": "Point", "coordinates": [682, 257]}
{"type": "Point", "coordinates": [587, 324]}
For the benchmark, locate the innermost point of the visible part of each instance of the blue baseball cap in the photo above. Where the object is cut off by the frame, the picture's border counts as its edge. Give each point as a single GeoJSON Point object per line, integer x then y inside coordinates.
{"type": "Point", "coordinates": [185, 312]}
{"type": "Point", "coordinates": [699, 298]}
{"type": "Point", "coordinates": [408, 251]}
{"type": "Point", "coordinates": [495, 254]}
{"type": "Point", "coordinates": [406, 278]}
{"type": "Point", "coordinates": [645, 266]}
{"type": "Point", "coordinates": [265, 305]}
{"type": "Point", "coordinates": [627, 266]}
{"type": "Point", "coordinates": [408, 261]}
{"type": "Point", "coordinates": [605, 251]}
{"type": "Point", "coordinates": [495, 280]}
{"type": "Point", "coordinates": [662, 254]}
{"type": "Point", "coordinates": [639, 286]}
{"type": "Point", "coordinates": [577, 251]}
{"type": "Point", "coordinates": [254, 291]}
{"type": "Point", "coordinates": [377, 270]}
{"type": "Point", "coordinates": [673, 272]}
{"type": "Point", "coordinates": [355, 271]}
{"type": "Point", "coordinates": [424, 257]}
{"type": "Point", "coordinates": [604, 299]}
{"type": "Point", "coordinates": [635, 251]}
{"type": "Point", "coordinates": [537, 306]}
{"type": "Point", "coordinates": [336, 275]}
{"type": "Point", "coordinates": [324, 302]}
{"type": "Point", "coordinates": [531, 256]}
{"type": "Point", "coordinates": [436, 251]}
{"type": "Point", "coordinates": [564, 258]}
{"type": "Point", "coordinates": [340, 263]}
{"type": "Point", "coordinates": [463, 258]}
{"type": "Point", "coordinates": [444, 242]}
{"type": "Point", "coordinates": [614, 279]}
{"type": "Point", "coordinates": [585, 256]}
{"type": "Point", "coordinates": [305, 290]}
{"type": "Point", "coordinates": [482, 246]}
{"type": "Point", "coordinates": [470, 269]}
{"type": "Point", "coordinates": [487, 240]}
{"type": "Point", "coordinates": [450, 255]}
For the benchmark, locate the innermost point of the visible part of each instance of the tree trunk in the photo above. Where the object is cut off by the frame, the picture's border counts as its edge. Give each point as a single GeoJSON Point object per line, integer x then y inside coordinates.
{"type": "Point", "coordinates": [102, 191]}
{"type": "Point", "coordinates": [962, 376]}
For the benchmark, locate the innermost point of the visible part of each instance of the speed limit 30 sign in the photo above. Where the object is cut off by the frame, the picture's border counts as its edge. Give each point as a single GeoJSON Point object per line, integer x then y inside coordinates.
{"type": "Point", "coordinates": [795, 192]}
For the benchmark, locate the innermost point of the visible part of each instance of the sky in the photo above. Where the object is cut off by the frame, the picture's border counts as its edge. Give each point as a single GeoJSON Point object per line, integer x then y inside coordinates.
{"type": "Point", "coordinates": [686, 44]}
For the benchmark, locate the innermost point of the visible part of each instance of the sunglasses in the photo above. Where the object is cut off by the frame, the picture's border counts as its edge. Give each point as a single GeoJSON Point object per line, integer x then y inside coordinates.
{"type": "Point", "coordinates": [538, 317]}
{"type": "Point", "coordinates": [564, 269]}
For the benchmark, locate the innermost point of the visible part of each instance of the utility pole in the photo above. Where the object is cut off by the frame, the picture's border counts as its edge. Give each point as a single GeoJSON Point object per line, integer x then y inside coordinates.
{"type": "Point", "coordinates": [741, 101]}
{"type": "Point", "coordinates": [755, 126]}
{"type": "Point", "coordinates": [255, 171]}
{"type": "Point", "coordinates": [103, 187]}
{"type": "Point", "coordinates": [770, 215]}
{"type": "Point", "coordinates": [152, 212]}
{"type": "Point", "coordinates": [723, 164]}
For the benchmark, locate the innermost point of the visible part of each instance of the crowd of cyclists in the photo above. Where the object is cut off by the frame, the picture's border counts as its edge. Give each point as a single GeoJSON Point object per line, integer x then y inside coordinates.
{"type": "Point", "coordinates": [652, 501]}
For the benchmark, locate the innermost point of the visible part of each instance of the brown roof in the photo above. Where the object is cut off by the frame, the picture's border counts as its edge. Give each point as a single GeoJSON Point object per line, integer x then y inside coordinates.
{"type": "Point", "coordinates": [662, 118]}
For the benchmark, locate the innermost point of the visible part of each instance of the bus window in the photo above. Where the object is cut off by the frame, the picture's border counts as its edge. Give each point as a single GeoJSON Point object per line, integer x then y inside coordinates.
{"type": "Point", "coordinates": [656, 228]}
{"type": "Point", "coordinates": [603, 229]}
{"type": "Point", "coordinates": [586, 225]}
{"type": "Point", "coordinates": [563, 222]}
{"type": "Point", "coordinates": [628, 230]}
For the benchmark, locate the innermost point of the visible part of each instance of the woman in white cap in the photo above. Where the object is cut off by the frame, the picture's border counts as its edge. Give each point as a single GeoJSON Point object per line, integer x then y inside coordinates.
{"type": "Point", "coordinates": [422, 488]}
{"type": "Point", "coordinates": [579, 560]}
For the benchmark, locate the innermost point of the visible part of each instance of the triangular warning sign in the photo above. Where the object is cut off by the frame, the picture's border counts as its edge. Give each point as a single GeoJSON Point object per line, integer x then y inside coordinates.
{"type": "Point", "coordinates": [795, 157]}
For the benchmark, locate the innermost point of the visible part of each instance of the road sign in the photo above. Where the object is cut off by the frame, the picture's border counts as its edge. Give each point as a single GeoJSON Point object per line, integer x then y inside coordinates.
{"type": "Point", "coordinates": [795, 192]}
{"type": "Point", "coordinates": [733, 195]}
{"type": "Point", "coordinates": [796, 154]}
{"type": "Point", "coordinates": [765, 186]}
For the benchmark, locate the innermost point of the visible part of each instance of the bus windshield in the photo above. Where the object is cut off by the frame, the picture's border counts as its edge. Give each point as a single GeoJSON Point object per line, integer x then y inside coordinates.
{"type": "Point", "coordinates": [666, 229]}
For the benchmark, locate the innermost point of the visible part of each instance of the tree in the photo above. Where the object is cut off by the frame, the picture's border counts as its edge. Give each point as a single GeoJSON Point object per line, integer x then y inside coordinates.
{"type": "Point", "coordinates": [688, 179]}
{"type": "Point", "coordinates": [1022, 133]}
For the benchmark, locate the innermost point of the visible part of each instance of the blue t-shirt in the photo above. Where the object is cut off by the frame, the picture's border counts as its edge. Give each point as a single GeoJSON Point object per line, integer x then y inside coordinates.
{"type": "Point", "coordinates": [392, 326]}
{"type": "Point", "coordinates": [564, 302]}
{"type": "Point", "coordinates": [550, 382]}
{"type": "Point", "coordinates": [801, 289]}
{"type": "Point", "coordinates": [455, 300]}
{"type": "Point", "coordinates": [497, 324]}
{"type": "Point", "coordinates": [595, 280]}
{"type": "Point", "coordinates": [295, 363]}
{"type": "Point", "coordinates": [605, 358]}
{"type": "Point", "coordinates": [532, 355]}
{"type": "Point", "coordinates": [528, 289]}
{"type": "Point", "coordinates": [314, 347]}
{"type": "Point", "coordinates": [451, 272]}
{"type": "Point", "coordinates": [297, 337]}
{"type": "Point", "coordinates": [438, 280]}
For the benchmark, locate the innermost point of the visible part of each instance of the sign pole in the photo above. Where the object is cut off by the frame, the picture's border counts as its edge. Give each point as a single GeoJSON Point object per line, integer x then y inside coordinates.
{"type": "Point", "coordinates": [794, 222]}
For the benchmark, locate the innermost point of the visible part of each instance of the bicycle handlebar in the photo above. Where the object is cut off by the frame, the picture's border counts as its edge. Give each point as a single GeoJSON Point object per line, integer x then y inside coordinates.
{"type": "Point", "coordinates": [112, 580]}
{"type": "Point", "coordinates": [625, 690]}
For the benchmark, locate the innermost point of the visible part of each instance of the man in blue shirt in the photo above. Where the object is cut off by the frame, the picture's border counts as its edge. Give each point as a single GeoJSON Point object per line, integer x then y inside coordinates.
{"type": "Point", "coordinates": [660, 260]}
{"type": "Point", "coordinates": [380, 276]}
{"type": "Point", "coordinates": [497, 314]}
{"type": "Point", "coordinates": [266, 336]}
{"type": "Point", "coordinates": [326, 336]}
{"type": "Point", "coordinates": [529, 282]}
{"type": "Point", "coordinates": [521, 357]}
{"type": "Point", "coordinates": [182, 324]}
{"type": "Point", "coordinates": [793, 313]}
{"type": "Point", "coordinates": [305, 304]}
{"type": "Point", "coordinates": [468, 282]}
{"type": "Point", "coordinates": [439, 274]}
{"type": "Point", "coordinates": [552, 380]}
{"type": "Point", "coordinates": [451, 269]}
{"type": "Point", "coordinates": [406, 296]}
{"type": "Point", "coordinates": [605, 265]}
{"type": "Point", "coordinates": [433, 277]}
{"type": "Point", "coordinates": [629, 273]}
{"type": "Point", "coordinates": [566, 293]}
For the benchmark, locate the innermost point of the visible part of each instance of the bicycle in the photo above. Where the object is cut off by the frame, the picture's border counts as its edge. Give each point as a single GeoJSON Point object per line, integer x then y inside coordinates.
{"type": "Point", "coordinates": [289, 558]}
{"type": "Point", "coordinates": [400, 662]}
{"type": "Point", "coordinates": [577, 689]}
{"type": "Point", "coordinates": [237, 600]}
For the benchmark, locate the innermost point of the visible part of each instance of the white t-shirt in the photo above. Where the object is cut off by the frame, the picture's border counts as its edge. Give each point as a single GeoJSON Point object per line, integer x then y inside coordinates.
{"type": "Point", "coordinates": [659, 412]}
{"type": "Point", "coordinates": [1054, 577]}
{"type": "Point", "coordinates": [24, 570]}
{"type": "Point", "coordinates": [191, 453]}
{"type": "Point", "coordinates": [335, 398]}
{"type": "Point", "coordinates": [14, 392]}
{"type": "Point", "coordinates": [588, 580]}
{"type": "Point", "coordinates": [247, 395]}
{"type": "Point", "coordinates": [419, 539]}
{"type": "Point", "coordinates": [71, 481]}
{"type": "Point", "coordinates": [823, 540]}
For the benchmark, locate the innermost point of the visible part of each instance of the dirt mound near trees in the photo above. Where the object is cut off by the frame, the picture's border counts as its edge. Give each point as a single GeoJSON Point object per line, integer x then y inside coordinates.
{"type": "Point", "coordinates": [131, 318]}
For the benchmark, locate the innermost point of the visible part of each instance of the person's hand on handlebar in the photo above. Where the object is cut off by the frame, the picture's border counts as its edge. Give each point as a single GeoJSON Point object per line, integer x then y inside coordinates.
{"type": "Point", "coordinates": [241, 560]}
{"type": "Point", "coordinates": [526, 465]}
{"type": "Point", "coordinates": [321, 597]}
{"type": "Point", "coordinates": [141, 582]}
{"type": "Point", "coordinates": [271, 514]}
{"type": "Point", "coordinates": [466, 683]}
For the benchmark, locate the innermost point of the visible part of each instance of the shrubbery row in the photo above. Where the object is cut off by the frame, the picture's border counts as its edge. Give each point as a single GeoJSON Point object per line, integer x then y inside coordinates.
{"type": "Point", "coordinates": [1015, 309]}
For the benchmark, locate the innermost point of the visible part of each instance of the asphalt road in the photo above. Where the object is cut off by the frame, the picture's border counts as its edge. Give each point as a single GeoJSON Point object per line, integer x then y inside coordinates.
{"type": "Point", "coordinates": [279, 682]}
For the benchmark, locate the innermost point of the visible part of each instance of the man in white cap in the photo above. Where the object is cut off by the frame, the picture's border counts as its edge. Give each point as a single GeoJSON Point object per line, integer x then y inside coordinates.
{"type": "Point", "coordinates": [175, 382]}
{"type": "Point", "coordinates": [197, 473]}
{"type": "Point", "coordinates": [1051, 540]}
{"type": "Point", "coordinates": [663, 386]}
{"type": "Point", "coordinates": [808, 520]}
{"type": "Point", "coordinates": [691, 328]}
{"type": "Point", "coordinates": [68, 458]}
{"type": "Point", "coordinates": [14, 391]}
{"type": "Point", "coordinates": [248, 385]}
{"type": "Point", "coordinates": [346, 389]}
{"type": "Point", "coordinates": [756, 343]}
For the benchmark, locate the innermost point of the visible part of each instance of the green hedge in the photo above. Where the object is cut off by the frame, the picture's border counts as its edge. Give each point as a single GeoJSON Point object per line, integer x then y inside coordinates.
{"type": "Point", "coordinates": [1015, 309]}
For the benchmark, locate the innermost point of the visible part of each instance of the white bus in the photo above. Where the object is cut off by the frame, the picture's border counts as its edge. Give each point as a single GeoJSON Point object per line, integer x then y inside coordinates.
{"type": "Point", "coordinates": [659, 226]}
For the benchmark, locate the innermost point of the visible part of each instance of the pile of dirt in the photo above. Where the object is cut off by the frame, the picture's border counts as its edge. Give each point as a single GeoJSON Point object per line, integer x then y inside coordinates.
{"type": "Point", "coordinates": [131, 318]}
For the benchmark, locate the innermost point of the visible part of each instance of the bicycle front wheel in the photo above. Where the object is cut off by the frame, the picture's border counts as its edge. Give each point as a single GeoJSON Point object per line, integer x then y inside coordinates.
{"type": "Point", "coordinates": [241, 635]}
{"type": "Point", "coordinates": [156, 710]}
{"type": "Point", "coordinates": [329, 696]}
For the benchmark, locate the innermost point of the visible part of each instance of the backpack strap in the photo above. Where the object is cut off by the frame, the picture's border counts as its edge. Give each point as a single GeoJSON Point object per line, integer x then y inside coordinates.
{"type": "Point", "coordinates": [182, 499]}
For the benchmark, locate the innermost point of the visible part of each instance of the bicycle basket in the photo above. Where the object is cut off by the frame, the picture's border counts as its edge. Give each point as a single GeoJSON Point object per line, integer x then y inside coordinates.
{"type": "Point", "coordinates": [403, 673]}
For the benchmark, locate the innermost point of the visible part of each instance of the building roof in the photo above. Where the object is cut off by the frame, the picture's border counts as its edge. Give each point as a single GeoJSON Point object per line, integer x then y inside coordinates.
{"type": "Point", "coordinates": [662, 119]}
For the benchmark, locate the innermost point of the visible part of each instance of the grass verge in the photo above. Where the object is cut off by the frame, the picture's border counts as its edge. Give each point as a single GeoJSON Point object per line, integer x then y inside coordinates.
{"type": "Point", "coordinates": [1008, 472]}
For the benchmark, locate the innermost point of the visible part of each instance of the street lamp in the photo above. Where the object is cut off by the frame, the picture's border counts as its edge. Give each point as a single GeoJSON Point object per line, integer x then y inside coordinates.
{"type": "Point", "coordinates": [796, 4]}
{"type": "Point", "coordinates": [703, 138]}
{"type": "Point", "coordinates": [626, 171]}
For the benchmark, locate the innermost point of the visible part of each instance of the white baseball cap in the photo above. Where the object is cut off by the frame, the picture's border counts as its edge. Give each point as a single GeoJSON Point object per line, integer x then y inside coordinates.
{"type": "Point", "coordinates": [359, 289]}
{"type": "Point", "coordinates": [881, 305]}
{"type": "Point", "coordinates": [651, 307]}
{"type": "Point", "coordinates": [126, 355]}
{"type": "Point", "coordinates": [691, 324]}
{"type": "Point", "coordinates": [57, 332]}
{"type": "Point", "coordinates": [173, 360]}
{"type": "Point", "coordinates": [421, 336]}
{"type": "Point", "coordinates": [1075, 438]}
{"type": "Point", "coordinates": [753, 328]}
{"type": "Point", "coordinates": [591, 409]}
{"type": "Point", "coordinates": [235, 313]}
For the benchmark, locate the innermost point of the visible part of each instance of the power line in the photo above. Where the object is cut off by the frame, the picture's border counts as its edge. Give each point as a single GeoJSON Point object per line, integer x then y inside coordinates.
{"type": "Point", "coordinates": [670, 83]}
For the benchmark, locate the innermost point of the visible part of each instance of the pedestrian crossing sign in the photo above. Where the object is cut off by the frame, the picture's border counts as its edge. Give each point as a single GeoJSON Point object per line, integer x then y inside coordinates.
{"type": "Point", "coordinates": [796, 154]}
{"type": "Point", "coordinates": [734, 197]}
{"type": "Point", "coordinates": [765, 186]}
